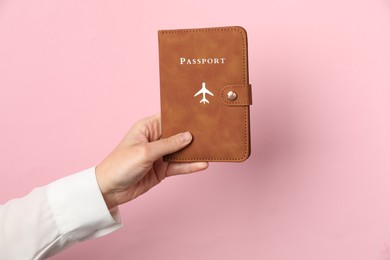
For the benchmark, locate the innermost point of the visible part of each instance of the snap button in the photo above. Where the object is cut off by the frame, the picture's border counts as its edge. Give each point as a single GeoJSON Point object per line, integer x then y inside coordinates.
{"type": "Point", "coordinates": [231, 95]}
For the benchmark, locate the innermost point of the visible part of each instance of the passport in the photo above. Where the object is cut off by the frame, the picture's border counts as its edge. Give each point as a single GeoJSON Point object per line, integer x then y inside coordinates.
{"type": "Point", "coordinates": [204, 89]}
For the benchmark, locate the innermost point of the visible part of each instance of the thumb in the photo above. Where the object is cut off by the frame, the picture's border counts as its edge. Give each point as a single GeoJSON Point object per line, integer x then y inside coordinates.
{"type": "Point", "coordinates": [169, 145]}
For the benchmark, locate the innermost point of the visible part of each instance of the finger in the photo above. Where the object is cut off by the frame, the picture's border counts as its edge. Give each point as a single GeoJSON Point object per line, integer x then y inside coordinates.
{"type": "Point", "coordinates": [185, 168]}
{"type": "Point", "coordinates": [143, 131]}
{"type": "Point", "coordinates": [153, 127]}
{"type": "Point", "coordinates": [150, 127]}
{"type": "Point", "coordinates": [169, 145]}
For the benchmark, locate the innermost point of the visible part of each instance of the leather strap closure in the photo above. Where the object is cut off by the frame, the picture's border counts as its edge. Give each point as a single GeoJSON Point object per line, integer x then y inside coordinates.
{"type": "Point", "coordinates": [236, 95]}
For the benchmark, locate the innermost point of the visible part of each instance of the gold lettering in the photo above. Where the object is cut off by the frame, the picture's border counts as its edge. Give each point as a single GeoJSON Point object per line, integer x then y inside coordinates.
{"type": "Point", "coordinates": [201, 61]}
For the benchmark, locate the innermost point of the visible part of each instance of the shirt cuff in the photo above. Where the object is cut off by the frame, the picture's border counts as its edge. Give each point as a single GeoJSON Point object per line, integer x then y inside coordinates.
{"type": "Point", "coordinates": [79, 208]}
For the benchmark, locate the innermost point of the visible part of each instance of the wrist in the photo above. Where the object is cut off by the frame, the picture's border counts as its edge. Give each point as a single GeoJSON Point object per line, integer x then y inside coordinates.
{"type": "Point", "coordinates": [107, 193]}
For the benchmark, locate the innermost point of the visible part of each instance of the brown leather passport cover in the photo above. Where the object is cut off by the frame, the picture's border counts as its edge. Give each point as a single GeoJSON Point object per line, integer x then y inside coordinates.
{"type": "Point", "coordinates": [204, 89]}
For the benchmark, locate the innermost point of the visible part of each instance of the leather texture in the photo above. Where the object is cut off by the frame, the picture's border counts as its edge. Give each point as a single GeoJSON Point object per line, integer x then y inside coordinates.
{"type": "Point", "coordinates": [198, 68]}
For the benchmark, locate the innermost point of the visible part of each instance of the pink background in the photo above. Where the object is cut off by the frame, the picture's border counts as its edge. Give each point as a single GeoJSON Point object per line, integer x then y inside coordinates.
{"type": "Point", "coordinates": [75, 75]}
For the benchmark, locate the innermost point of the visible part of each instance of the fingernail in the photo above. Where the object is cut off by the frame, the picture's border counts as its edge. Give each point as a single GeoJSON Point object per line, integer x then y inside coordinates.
{"type": "Point", "coordinates": [187, 136]}
{"type": "Point", "coordinates": [203, 165]}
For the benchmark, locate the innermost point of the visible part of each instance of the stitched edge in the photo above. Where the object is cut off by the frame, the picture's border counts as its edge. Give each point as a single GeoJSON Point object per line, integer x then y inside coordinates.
{"type": "Point", "coordinates": [243, 38]}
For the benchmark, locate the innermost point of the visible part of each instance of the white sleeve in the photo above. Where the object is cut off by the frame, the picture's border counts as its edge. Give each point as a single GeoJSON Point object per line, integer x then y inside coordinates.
{"type": "Point", "coordinates": [54, 217]}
